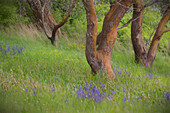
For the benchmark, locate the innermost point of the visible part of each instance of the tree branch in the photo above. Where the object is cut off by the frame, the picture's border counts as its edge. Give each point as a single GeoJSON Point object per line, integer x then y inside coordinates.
{"type": "Point", "coordinates": [165, 31]}
{"type": "Point", "coordinates": [146, 5]}
{"type": "Point", "coordinates": [58, 25]}
{"type": "Point", "coordinates": [125, 24]}
{"type": "Point", "coordinates": [64, 21]}
{"type": "Point", "coordinates": [149, 4]}
{"type": "Point", "coordinates": [131, 20]}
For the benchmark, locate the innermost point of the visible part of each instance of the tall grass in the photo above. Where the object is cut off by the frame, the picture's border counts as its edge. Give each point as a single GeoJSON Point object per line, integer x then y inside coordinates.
{"type": "Point", "coordinates": [42, 78]}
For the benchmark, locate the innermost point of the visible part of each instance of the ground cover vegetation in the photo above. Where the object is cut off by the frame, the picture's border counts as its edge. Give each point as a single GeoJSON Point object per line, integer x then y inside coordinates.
{"type": "Point", "coordinates": [38, 77]}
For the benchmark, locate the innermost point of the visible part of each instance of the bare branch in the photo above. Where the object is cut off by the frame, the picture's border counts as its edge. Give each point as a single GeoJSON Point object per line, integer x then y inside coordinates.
{"type": "Point", "coordinates": [131, 20]}
{"type": "Point", "coordinates": [64, 21]}
{"type": "Point", "coordinates": [125, 24]}
{"type": "Point", "coordinates": [165, 31]}
{"type": "Point", "coordinates": [149, 4]}
{"type": "Point", "coordinates": [146, 5]}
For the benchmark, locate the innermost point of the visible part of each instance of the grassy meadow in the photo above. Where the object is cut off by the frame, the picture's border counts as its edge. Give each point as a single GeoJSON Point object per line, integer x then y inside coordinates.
{"type": "Point", "coordinates": [36, 77]}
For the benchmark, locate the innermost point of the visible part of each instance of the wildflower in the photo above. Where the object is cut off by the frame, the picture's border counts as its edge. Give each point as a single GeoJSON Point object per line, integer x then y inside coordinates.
{"type": "Point", "coordinates": [150, 75]}
{"type": "Point", "coordinates": [18, 51]}
{"type": "Point", "coordinates": [139, 97]}
{"type": "Point", "coordinates": [35, 93]}
{"type": "Point", "coordinates": [168, 96]}
{"type": "Point", "coordinates": [111, 59]}
{"type": "Point", "coordinates": [124, 99]}
{"type": "Point", "coordinates": [110, 98]}
{"type": "Point", "coordinates": [1, 48]}
{"type": "Point", "coordinates": [102, 85]}
{"type": "Point", "coordinates": [66, 100]}
{"type": "Point", "coordinates": [125, 71]}
{"type": "Point", "coordinates": [124, 91]}
{"type": "Point", "coordinates": [113, 92]}
{"type": "Point", "coordinates": [98, 98]}
{"type": "Point", "coordinates": [8, 49]}
{"type": "Point", "coordinates": [21, 48]}
{"type": "Point", "coordinates": [14, 53]}
{"type": "Point", "coordinates": [4, 51]}
{"type": "Point", "coordinates": [80, 93]}
{"type": "Point", "coordinates": [86, 88]}
{"type": "Point", "coordinates": [26, 89]}
{"type": "Point", "coordinates": [34, 88]}
{"type": "Point", "coordinates": [95, 89]}
{"type": "Point", "coordinates": [53, 89]}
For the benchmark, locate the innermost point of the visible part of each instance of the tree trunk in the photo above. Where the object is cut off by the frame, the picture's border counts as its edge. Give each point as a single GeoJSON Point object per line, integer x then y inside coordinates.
{"type": "Point", "coordinates": [100, 58]}
{"type": "Point", "coordinates": [136, 33]}
{"type": "Point", "coordinates": [141, 55]}
{"type": "Point", "coordinates": [155, 41]}
{"type": "Point", "coordinates": [36, 6]}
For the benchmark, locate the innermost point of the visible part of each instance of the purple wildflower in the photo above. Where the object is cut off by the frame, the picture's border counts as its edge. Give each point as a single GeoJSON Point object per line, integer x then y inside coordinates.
{"type": "Point", "coordinates": [98, 98]}
{"type": "Point", "coordinates": [53, 88]}
{"type": "Point", "coordinates": [102, 85]}
{"type": "Point", "coordinates": [168, 96]}
{"type": "Point", "coordinates": [18, 51]}
{"type": "Point", "coordinates": [8, 49]}
{"type": "Point", "coordinates": [80, 93]}
{"type": "Point", "coordinates": [124, 91]}
{"type": "Point", "coordinates": [150, 75]}
{"type": "Point", "coordinates": [113, 92]}
{"type": "Point", "coordinates": [21, 48]}
{"type": "Point", "coordinates": [34, 88]}
{"type": "Point", "coordinates": [124, 99]}
{"type": "Point", "coordinates": [111, 59]}
{"type": "Point", "coordinates": [139, 97]}
{"type": "Point", "coordinates": [26, 89]}
{"type": "Point", "coordinates": [35, 93]}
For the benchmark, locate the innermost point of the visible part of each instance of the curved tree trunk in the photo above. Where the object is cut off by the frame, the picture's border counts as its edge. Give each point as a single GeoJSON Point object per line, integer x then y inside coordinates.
{"type": "Point", "coordinates": [100, 58]}
{"type": "Point", "coordinates": [136, 33]}
{"type": "Point", "coordinates": [36, 6]}
{"type": "Point", "coordinates": [155, 41]}
{"type": "Point", "coordinates": [141, 55]}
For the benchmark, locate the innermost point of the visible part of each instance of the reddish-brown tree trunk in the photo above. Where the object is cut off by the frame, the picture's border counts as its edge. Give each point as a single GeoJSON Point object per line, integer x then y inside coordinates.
{"type": "Point", "coordinates": [155, 41]}
{"type": "Point", "coordinates": [141, 55]}
{"type": "Point", "coordinates": [100, 58]}
{"type": "Point", "coordinates": [49, 22]}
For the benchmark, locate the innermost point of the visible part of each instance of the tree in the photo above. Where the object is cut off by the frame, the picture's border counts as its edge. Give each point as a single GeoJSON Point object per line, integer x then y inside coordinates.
{"type": "Point", "coordinates": [49, 22]}
{"type": "Point", "coordinates": [141, 54]}
{"type": "Point", "coordinates": [99, 57]}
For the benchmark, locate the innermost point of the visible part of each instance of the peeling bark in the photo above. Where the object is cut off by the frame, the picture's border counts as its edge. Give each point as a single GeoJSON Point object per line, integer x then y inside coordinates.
{"type": "Point", "coordinates": [100, 58]}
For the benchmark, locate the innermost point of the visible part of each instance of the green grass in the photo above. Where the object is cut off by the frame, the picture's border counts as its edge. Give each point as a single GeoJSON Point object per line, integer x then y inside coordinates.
{"type": "Point", "coordinates": [41, 65]}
